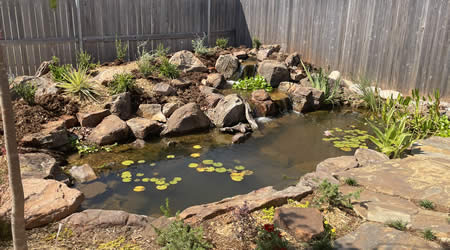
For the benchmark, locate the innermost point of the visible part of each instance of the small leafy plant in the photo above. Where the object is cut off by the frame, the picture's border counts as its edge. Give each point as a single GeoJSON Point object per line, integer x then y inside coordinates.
{"type": "Point", "coordinates": [351, 182]}
{"type": "Point", "coordinates": [84, 61]}
{"type": "Point", "coordinates": [76, 82]}
{"type": "Point", "coordinates": [397, 224]}
{"type": "Point", "coordinates": [427, 204]}
{"type": "Point", "coordinates": [320, 82]}
{"type": "Point", "coordinates": [330, 194]}
{"type": "Point", "coordinates": [165, 209]}
{"type": "Point", "coordinates": [256, 43]}
{"type": "Point", "coordinates": [270, 237]}
{"type": "Point", "coordinates": [57, 71]}
{"type": "Point", "coordinates": [199, 45]}
{"type": "Point", "coordinates": [161, 51]}
{"type": "Point", "coordinates": [167, 69]}
{"type": "Point", "coordinates": [122, 83]}
{"type": "Point", "coordinates": [121, 50]}
{"type": "Point", "coordinates": [428, 235]}
{"type": "Point", "coordinates": [268, 213]}
{"type": "Point", "coordinates": [26, 90]}
{"type": "Point", "coordinates": [146, 64]}
{"type": "Point", "coordinates": [84, 149]}
{"type": "Point", "coordinates": [244, 228]}
{"type": "Point", "coordinates": [222, 42]}
{"type": "Point", "coordinates": [253, 83]}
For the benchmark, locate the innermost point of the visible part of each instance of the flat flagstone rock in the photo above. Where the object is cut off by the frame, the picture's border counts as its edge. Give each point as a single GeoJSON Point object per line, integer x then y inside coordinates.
{"type": "Point", "coordinates": [261, 198]}
{"type": "Point", "coordinates": [413, 178]}
{"type": "Point", "coordinates": [46, 201]}
{"type": "Point", "coordinates": [337, 164]}
{"type": "Point", "coordinates": [314, 179]}
{"type": "Point", "coordinates": [302, 223]}
{"type": "Point", "coordinates": [366, 157]}
{"type": "Point", "coordinates": [377, 236]}
{"type": "Point", "coordinates": [433, 147]}
{"type": "Point", "coordinates": [435, 221]}
{"type": "Point", "coordinates": [91, 218]}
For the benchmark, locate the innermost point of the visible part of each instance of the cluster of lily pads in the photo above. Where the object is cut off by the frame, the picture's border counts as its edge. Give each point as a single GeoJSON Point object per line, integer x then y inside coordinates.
{"type": "Point", "coordinates": [347, 140]}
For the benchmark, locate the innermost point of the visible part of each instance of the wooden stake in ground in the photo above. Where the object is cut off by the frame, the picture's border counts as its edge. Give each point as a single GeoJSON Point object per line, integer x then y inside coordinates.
{"type": "Point", "coordinates": [12, 155]}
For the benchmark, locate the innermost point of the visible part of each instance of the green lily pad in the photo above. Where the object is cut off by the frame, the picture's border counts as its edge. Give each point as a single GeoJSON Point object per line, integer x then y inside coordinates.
{"type": "Point", "coordinates": [217, 164]}
{"type": "Point", "coordinates": [173, 182]}
{"type": "Point", "coordinates": [239, 167]}
{"type": "Point", "coordinates": [208, 162]}
{"type": "Point", "coordinates": [139, 174]}
{"type": "Point", "coordinates": [210, 169]}
{"type": "Point", "coordinates": [137, 180]}
{"type": "Point", "coordinates": [146, 180]}
{"type": "Point", "coordinates": [126, 180]}
{"type": "Point", "coordinates": [159, 182]}
{"type": "Point", "coordinates": [177, 178]}
{"type": "Point", "coordinates": [193, 165]}
{"type": "Point", "coordinates": [221, 170]}
{"type": "Point", "coordinates": [161, 187]}
{"type": "Point", "coordinates": [152, 164]}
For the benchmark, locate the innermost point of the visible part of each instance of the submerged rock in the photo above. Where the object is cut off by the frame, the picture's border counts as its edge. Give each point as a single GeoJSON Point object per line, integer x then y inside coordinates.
{"type": "Point", "coordinates": [228, 66]}
{"type": "Point", "coordinates": [229, 111]}
{"type": "Point", "coordinates": [46, 201]}
{"type": "Point", "coordinates": [112, 129]}
{"type": "Point", "coordinates": [188, 118]}
{"type": "Point", "coordinates": [186, 61]}
{"type": "Point", "coordinates": [83, 173]}
{"type": "Point", "coordinates": [240, 128]}
{"type": "Point", "coordinates": [274, 72]}
{"type": "Point", "coordinates": [240, 137]}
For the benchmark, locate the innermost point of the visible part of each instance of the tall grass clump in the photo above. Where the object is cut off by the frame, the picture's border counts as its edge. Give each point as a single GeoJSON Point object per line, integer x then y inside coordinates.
{"type": "Point", "coordinates": [76, 83]}
{"type": "Point", "coordinates": [370, 95]}
{"type": "Point", "coordinates": [320, 82]}
{"type": "Point", "coordinates": [160, 51]}
{"type": "Point", "coordinates": [199, 45]}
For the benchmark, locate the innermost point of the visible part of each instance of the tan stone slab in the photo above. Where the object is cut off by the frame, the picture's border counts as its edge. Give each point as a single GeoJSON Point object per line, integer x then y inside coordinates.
{"type": "Point", "coordinates": [414, 178]}
{"type": "Point", "coordinates": [435, 221]}
{"type": "Point", "coordinates": [433, 147]}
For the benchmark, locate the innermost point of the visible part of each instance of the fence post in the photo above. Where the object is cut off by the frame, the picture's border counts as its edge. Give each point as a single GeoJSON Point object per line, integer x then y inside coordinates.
{"type": "Point", "coordinates": [209, 23]}
{"type": "Point", "coordinates": [80, 29]}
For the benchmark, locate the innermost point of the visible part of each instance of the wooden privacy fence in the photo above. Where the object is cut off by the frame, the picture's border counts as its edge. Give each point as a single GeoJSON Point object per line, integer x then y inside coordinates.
{"type": "Point", "coordinates": [34, 32]}
{"type": "Point", "coordinates": [400, 44]}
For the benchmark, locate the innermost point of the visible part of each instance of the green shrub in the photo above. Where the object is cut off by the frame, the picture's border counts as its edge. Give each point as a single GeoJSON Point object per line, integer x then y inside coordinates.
{"type": "Point", "coordinates": [351, 182]}
{"type": "Point", "coordinates": [168, 70]}
{"type": "Point", "coordinates": [397, 224]}
{"type": "Point", "coordinates": [427, 204]}
{"type": "Point", "coordinates": [76, 82]}
{"type": "Point", "coordinates": [57, 71]}
{"type": "Point", "coordinates": [122, 83]}
{"type": "Point", "coordinates": [253, 83]}
{"type": "Point", "coordinates": [256, 43]}
{"type": "Point", "coordinates": [329, 193]}
{"type": "Point", "coordinates": [428, 235]}
{"type": "Point", "coordinates": [26, 91]}
{"type": "Point", "coordinates": [222, 42]}
{"type": "Point", "coordinates": [320, 82]}
{"type": "Point", "coordinates": [199, 45]}
{"type": "Point", "coordinates": [84, 61]}
{"type": "Point", "coordinates": [270, 237]}
{"type": "Point", "coordinates": [146, 64]}
{"type": "Point", "coordinates": [161, 51]}
{"type": "Point", "coordinates": [121, 50]}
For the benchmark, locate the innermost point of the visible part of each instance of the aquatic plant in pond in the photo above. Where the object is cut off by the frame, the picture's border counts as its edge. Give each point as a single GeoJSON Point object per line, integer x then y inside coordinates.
{"type": "Point", "coordinates": [160, 183]}
{"type": "Point", "coordinates": [253, 83]}
{"type": "Point", "coordinates": [347, 139]}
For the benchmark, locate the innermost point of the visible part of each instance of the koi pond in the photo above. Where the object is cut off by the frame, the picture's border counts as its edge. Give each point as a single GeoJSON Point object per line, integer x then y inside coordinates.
{"type": "Point", "coordinates": [203, 168]}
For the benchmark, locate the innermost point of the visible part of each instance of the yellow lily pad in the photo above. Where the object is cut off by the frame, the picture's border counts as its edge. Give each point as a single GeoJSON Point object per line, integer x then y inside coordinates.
{"type": "Point", "coordinates": [221, 170]}
{"type": "Point", "coordinates": [239, 167]}
{"type": "Point", "coordinates": [195, 155]}
{"type": "Point", "coordinates": [161, 187]}
{"type": "Point", "coordinates": [210, 169]}
{"type": "Point", "coordinates": [170, 156]}
{"type": "Point", "coordinates": [173, 182]}
{"type": "Point", "coordinates": [193, 165]}
{"type": "Point", "coordinates": [153, 179]}
{"type": "Point", "coordinates": [197, 147]}
{"type": "Point", "coordinates": [200, 170]}
{"type": "Point", "coordinates": [159, 182]}
{"type": "Point", "coordinates": [237, 178]}
{"type": "Point", "coordinates": [141, 161]}
{"type": "Point", "coordinates": [126, 180]}
{"type": "Point", "coordinates": [127, 163]}
{"type": "Point", "coordinates": [137, 180]}
{"type": "Point", "coordinates": [346, 149]}
{"type": "Point", "coordinates": [139, 189]}
{"type": "Point", "coordinates": [146, 180]}
{"type": "Point", "coordinates": [177, 179]}
{"type": "Point", "coordinates": [217, 164]}
{"type": "Point", "coordinates": [237, 174]}
{"type": "Point", "coordinates": [139, 174]}
{"type": "Point", "coordinates": [126, 174]}
{"type": "Point", "coordinates": [152, 164]}
{"type": "Point", "coordinates": [207, 162]}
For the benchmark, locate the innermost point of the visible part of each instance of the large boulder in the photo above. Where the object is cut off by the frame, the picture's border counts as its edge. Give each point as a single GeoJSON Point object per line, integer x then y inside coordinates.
{"type": "Point", "coordinates": [38, 165]}
{"type": "Point", "coordinates": [274, 72]}
{"type": "Point", "coordinates": [264, 105]}
{"type": "Point", "coordinates": [121, 106]}
{"type": "Point", "coordinates": [213, 99]}
{"type": "Point", "coordinates": [112, 129]}
{"type": "Point", "coordinates": [216, 80]}
{"type": "Point", "coordinates": [46, 201]}
{"type": "Point", "coordinates": [186, 61]}
{"type": "Point", "coordinates": [83, 173]}
{"type": "Point", "coordinates": [306, 99]}
{"type": "Point", "coordinates": [152, 112]}
{"type": "Point", "coordinates": [92, 119]}
{"type": "Point", "coordinates": [302, 223]}
{"type": "Point", "coordinates": [98, 218]}
{"type": "Point", "coordinates": [293, 60]}
{"type": "Point", "coordinates": [266, 51]}
{"type": "Point", "coordinates": [188, 118]}
{"type": "Point", "coordinates": [53, 136]}
{"type": "Point", "coordinates": [44, 86]}
{"type": "Point", "coordinates": [228, 66]}
{"type": "Point", "coordinates": [228, 112]}
{"type": "Point", "coordinates": [142, 128]}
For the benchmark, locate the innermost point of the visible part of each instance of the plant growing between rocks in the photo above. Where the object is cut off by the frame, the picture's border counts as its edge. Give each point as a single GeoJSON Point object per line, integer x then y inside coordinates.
{"type": "Point", "coordinates": [168, 70]}
{"type": "Point", "coordinates": [370, 95]}
{"type": "Point", "coordinates": [244, 229]}
{"type": "Point", "coordinates": [199, 45]}
{"type": "Point", "coordinates": [160, 51]}
{"type": "Point", "coordinates": [122, 83]}
{"type": "Point", "coordinates": [256, 43]}
{"type": "Point", "coordinates": [76, 83]}
{"type": "Point", "coordinates": [351, 182]}
{"type": "Point", "coordinates": [320, 82]}
{"type": "Point", "coordinates": [84, 61]}
{"type": "Point", "coordinates": [222, 42]}
{"type": "Point", "coordinates": [26, 91]}
{"type": "Point", "coordinates": [329, 193]}
{"type": "Point", "coordinates": [253, 83]}
{"type": "Point", "coordinates": [121, 50]}
{"type": "Point", "coordinates": [397, 224]}
{"type": "Point", "coordinates": [270, 237]}
{"type": "Point", "coordinates": [428, 234]}
{"type": "Point", "coordinates": [57, 71]}
{"type": "Point", "coordinates": [426, 204]}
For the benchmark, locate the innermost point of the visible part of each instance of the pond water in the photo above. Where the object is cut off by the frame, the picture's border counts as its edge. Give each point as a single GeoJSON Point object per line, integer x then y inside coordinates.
{"type": "Point", "coordinates": [282, 151]}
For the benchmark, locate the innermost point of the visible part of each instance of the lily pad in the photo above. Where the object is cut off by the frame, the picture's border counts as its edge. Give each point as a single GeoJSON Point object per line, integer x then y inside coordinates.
{"type": "Point", "coordinates": [210, 169]}
{"type": "Point", "coordinates": [208, 162]}
{"type": "Point", "coordinates": [137, 180]}
{"type": "Point", "coordinates": [161, 187]}
{"type": "Point", "coordinates": [247, 172]}
{"type": "Point", "coordinates": [141, 161]}
{"type": "Point", "coordinates": [139, 174]}
{"type": "Point", "coordinates": [195, 155]}
{"type": "Point", "coordinates": [237, 178]}
{"type": "Point", "coordinates": [200, 170]}
{"type": "Point", "coordinates": [173, 182]}
{"type": "Point", "coordinates": [126, 180]}
{"type": "Point", "coordinates": [152, 164]}
{"type": "Point", "coordinates": [170, 156]}
{"type": "Point", "coordinates": [159, 182]}
{"type": "Point", "coordinates": [239, 167]}
{"type": "Point", "coordinates": [193, 165]}
{"type": "Point", "coordinates": [197, 147]}
{"type": "Point", "coordinates": [139, 189]}
{"type": "Point", "coordinates": [217, 164]}
{"type": "Point", "coordinates": [127, 163]}
{"type": "Point", "coordinates": [146, 180]}
{"type": "Point", "coordinates": [221, 170]}
{"type": "Point", "coordinates": [126, 174]}
{"type": "Point", "coordinates": [346, 149]}
{"type": "Point", "coordinates": [153, 179]}
{"type": "Point", "coordinates": [177, 179]}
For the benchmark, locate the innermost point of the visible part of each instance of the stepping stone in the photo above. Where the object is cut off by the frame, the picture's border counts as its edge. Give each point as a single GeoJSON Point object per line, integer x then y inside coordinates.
{"type": "Point", "coordinates": [302, 223]}
{"type": "Point", "coordinates": [377, 236]}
